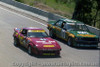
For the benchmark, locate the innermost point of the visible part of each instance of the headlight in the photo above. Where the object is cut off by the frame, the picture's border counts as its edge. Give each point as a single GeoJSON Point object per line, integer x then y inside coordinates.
{"type": "Point", "coordinates": [37, 45]}
{"type": "Point", "coordinates": [97, 39]}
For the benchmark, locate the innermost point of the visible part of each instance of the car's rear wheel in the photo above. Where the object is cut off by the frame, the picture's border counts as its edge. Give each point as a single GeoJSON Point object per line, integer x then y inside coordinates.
{"type": "Point", "coordinates": [30, 50]}
{"type": "Point", "coordinates": [16, 42]}
{"type": "Point", "coordinates": [70, 41]}
{"type": "Point", "coordinates": [51, 34]}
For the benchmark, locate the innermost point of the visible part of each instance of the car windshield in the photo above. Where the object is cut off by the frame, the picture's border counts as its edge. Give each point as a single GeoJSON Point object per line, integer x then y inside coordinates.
{"type": "Point", "coordinates": [37, 34]}
{"type": "Point", "coordinates": [77, 27]}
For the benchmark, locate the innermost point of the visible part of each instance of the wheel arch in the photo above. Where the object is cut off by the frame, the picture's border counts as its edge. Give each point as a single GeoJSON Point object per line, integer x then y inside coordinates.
{"type": "Point", "coordinates": [30, 44]}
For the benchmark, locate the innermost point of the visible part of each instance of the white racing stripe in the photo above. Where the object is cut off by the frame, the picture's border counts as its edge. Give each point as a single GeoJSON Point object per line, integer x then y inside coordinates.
{"type": "Point", "coordinates": [23, 16]}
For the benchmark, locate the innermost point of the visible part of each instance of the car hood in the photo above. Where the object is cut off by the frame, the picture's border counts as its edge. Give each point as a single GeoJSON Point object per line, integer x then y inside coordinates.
{"type": "Point", "coordinates": [45, 43]}
{"type": "Point", "coordinates": [83, 34]}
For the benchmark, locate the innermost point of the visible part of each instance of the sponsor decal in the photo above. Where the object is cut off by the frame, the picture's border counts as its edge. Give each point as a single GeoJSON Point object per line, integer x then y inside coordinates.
{"type": "Point", "coordinates": [16, 34]}
{"type": "Point", "coordinates": [82, 32]}
{"type": "Point", "coordinates": [71, 35]}
{"type": "Point", "coordinates": [44, 42]}
{"type": "Point", "coordinates": [43, 39]}
{"type": "Point", "coordinates": [36, 30]}
{"type": "Point", "coordinates": [87, 35]}
{"type": "Point", "coordinates": [48, 46]}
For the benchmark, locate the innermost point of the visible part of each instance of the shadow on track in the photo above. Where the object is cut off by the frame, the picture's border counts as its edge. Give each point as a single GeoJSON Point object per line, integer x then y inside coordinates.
{"type": "Point", "coordinates": [37, 56]}
{"type": "Point", "coordinates": [79, 48]}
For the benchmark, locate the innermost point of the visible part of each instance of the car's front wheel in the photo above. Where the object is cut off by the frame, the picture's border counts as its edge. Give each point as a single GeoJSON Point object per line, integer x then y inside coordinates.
{"type": "Point", "coordinates": [70, 41]}
{"type": "Point", "coordinates": [30, 50]}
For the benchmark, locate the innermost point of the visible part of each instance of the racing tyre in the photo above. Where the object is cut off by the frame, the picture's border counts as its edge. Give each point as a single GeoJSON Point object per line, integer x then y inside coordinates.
{"type": "Point", "coordinates": [51, 34]}
{"type": "Point", "coordinates": [16, 42]}
{"type": "Point", "coordinates": [30, 50]}
{"type": "Point", "coordinates": [70, 41]}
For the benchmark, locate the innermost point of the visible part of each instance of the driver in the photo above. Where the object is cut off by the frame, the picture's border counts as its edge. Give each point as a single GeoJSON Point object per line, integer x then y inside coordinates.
{"type": "Point", "coordinates": [62, 26]}
{"type": "Point", "coordinates": [63, 30]}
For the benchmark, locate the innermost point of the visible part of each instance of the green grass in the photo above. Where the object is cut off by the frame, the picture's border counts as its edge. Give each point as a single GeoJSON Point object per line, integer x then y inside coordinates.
{"type": "Point", "coordinates": [61, 6]}
{"type": "Point", "coordinates": [67, 8]}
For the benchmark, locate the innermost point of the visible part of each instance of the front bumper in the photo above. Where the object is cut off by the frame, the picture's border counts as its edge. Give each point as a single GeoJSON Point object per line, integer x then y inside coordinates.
{"type": "Point", "coordinates": [87, 44]}
{"type": "Point", "coordinates": [49, 52]}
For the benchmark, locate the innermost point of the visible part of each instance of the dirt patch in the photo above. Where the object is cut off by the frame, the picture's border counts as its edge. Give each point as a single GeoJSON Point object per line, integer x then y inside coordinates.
{"type": "Point", "coordinates": [49, 9]}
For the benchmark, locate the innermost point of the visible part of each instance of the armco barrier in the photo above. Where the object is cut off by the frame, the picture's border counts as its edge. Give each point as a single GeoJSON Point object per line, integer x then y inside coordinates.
{"type": "Point", "coordinates": [49, 15]}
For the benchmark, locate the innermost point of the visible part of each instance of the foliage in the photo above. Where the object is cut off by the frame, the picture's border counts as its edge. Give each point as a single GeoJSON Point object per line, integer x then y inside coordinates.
{"type": "Point", "coordinates": [61, 8]}
{"type": "Point", "coordinates": [88, 11]}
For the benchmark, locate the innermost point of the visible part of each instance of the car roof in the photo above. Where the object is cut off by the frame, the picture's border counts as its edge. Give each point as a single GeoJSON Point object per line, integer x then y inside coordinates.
{"type": "Point", "coordinates": [33, 28]}
{"type": "Point", "coordinates": [71, 21]}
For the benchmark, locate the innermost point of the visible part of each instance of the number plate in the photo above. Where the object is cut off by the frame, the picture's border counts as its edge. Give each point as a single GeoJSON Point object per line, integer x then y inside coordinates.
{"type": "Point", "coordinates": [48, 53]}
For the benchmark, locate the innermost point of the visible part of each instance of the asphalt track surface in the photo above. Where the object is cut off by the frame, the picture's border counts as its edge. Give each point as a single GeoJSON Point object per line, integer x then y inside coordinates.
{"type": "Point", "coordinates": [11, 56]}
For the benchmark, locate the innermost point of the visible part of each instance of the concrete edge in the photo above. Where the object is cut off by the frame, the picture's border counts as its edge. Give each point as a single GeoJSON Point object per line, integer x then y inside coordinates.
{"type": "Point", "coordinates": [39, 9]}
{"type": "Point", "coordinates": [27, 12]}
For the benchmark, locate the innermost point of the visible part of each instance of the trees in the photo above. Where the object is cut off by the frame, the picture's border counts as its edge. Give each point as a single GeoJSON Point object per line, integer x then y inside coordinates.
{"type": "Point", "coordinates": [97, 16]}
{"type": "Point", "coordinates": [83, 11]}
{"type": "Point", "coordinates": [87, 11]}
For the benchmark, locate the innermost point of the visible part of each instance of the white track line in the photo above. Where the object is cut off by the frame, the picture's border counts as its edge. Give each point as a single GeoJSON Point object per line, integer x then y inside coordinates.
{"type": "Point", "coordinates": [23, 16]}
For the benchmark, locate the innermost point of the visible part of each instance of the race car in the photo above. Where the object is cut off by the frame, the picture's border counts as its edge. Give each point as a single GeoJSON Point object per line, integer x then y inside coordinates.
{"type": "Point", "coordinates": [36, 41]}
{"type": "Point", "coordinates": [74, 32]}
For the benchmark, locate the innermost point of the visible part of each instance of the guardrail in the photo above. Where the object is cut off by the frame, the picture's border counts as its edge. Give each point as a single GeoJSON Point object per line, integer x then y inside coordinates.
{"type": "Point", "coordinates": [49, 15]}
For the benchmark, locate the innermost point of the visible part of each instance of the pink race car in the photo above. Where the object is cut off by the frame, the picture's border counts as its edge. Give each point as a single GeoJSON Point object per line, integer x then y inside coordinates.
{"type": "Point", "coordinates": [36, 41]}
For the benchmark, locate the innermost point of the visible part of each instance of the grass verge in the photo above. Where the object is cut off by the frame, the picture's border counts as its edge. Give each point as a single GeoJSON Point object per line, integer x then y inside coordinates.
{"type": "Point", "coordinates": [64, 9]}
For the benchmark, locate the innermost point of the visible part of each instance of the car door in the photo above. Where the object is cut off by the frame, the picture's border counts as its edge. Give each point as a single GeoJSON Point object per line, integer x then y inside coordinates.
{"type": "Point", "coordinates": [66, 32]}
{"type": "Point", "coordinates": [22, 37]}
{"type": "Point", "coordinates": [63, 31]}
{"type": "Point", "coordinates": [58, 27]}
